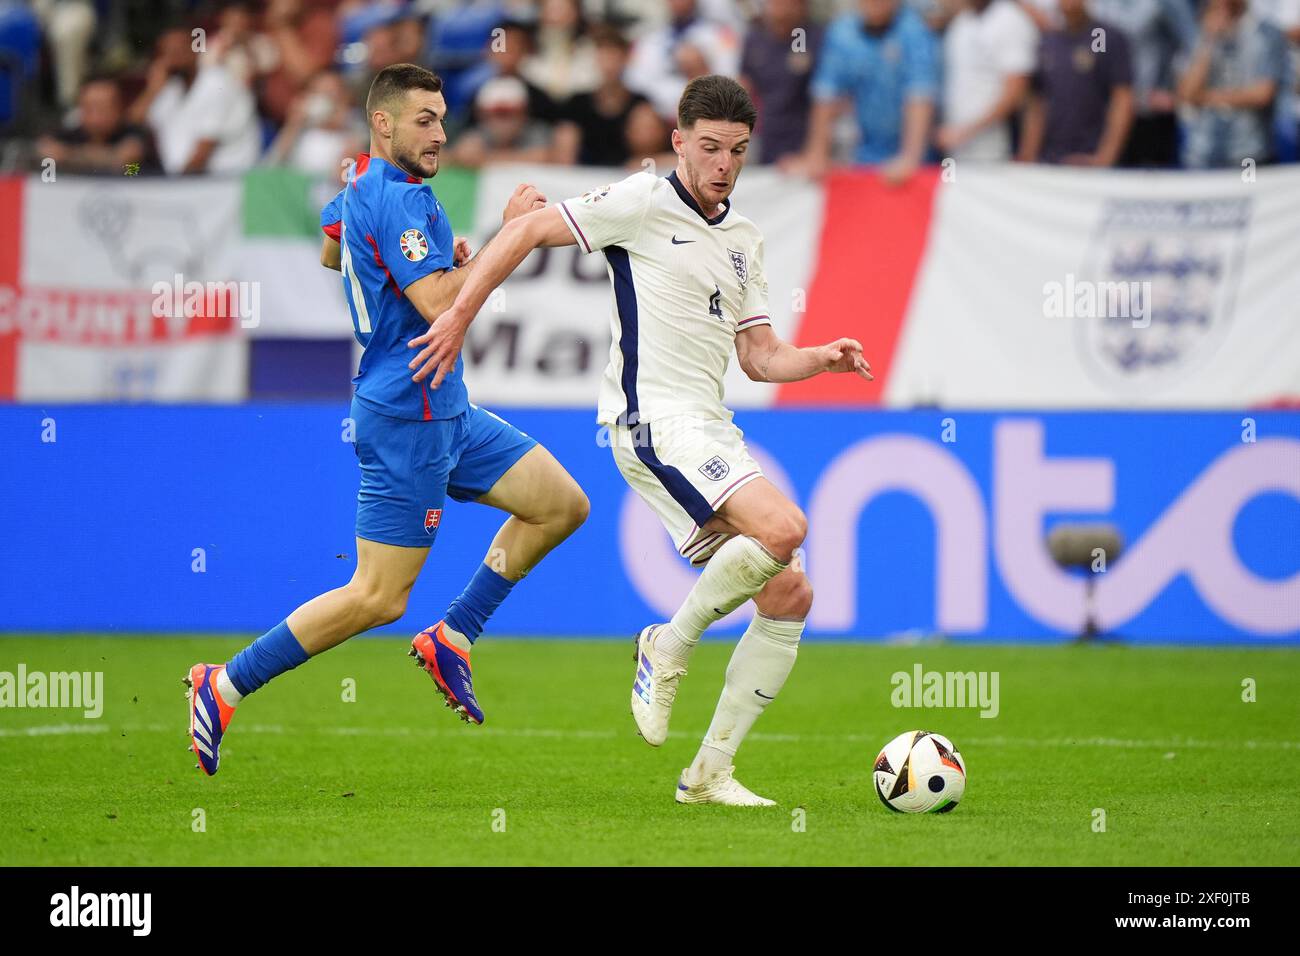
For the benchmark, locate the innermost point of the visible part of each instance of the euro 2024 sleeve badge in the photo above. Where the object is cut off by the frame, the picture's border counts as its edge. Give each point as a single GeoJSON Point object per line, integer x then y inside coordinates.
{"type": "Point", "coordinates": [414, 246]}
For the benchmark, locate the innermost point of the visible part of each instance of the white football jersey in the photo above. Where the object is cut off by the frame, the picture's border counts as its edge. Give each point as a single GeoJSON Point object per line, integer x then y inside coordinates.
{"type": "Point", "coordinates": [683, 286]}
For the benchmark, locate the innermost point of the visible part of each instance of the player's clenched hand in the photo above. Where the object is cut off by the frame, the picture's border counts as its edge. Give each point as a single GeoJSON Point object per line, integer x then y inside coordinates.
{"type": "Point", "coordinates": [845, 355]}
{"type": "Point", "coordinates": [461, 252]}
{"type": "Point", "coordinates": [442, 343]}
{"type": "Point", "coordinates": [526, 198]}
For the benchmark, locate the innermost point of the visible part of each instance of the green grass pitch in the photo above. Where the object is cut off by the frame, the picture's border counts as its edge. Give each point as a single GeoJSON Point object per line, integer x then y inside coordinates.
{"type": "Point", "coordinates": [1159, 739]}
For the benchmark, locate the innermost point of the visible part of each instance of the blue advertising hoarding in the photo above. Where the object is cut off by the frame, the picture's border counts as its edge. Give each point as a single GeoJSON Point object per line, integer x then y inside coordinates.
{"type": "Point", "coordinates": [224, 518]}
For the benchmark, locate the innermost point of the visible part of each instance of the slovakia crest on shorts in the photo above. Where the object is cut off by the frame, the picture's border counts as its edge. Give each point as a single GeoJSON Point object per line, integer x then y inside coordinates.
{"type": "Point", "coordinates": [715, 469]}
{"type": "Point", "coordinates": [740, 265]}
{"type": "Point", "coordinates": [414, 245]}
{"type": "Point", "coordinates": [432, 518]}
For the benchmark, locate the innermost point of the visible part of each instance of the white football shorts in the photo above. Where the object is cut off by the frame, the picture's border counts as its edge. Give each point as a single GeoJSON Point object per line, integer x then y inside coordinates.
{"type": "Point", "coordinates": [684, 468]}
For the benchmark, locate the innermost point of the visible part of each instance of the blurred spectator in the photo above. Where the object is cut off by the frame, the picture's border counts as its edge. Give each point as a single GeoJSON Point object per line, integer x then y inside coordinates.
{"type": "Point", "coordinates": [1282, 14]}
{"type": "Point", "coordinates": [1082, 106]}
{"type": "Point", "coordinates": [305, 37]}
{"type": "Point", "coordinates": [408, 37]}
{"type": "Point", "coordinates": [506, 54]}
{"type": "Point", "coordinates": [321, 130]}
{"type": "Point", "coordinates": [392, 35]}
{"type": "Point", "coordinates": [1045, 14]}
{"type": "Point", "coordinates": [245, 52]}
{"type": "Point", "coordinates": [102, 141]}
{"type": "Point", "coordinates": [1159, 33]}
{"type": "Point", "coordinates": [595, 130]}
{"type": "Point", "coordinates": [885, 60]}
{"type": "Point", "coordinates": [1285, 16]}
{"type": "Point", "coordinates": [667, 58]}
{"type": "Point", "coordinates": [203, 120]}
{"type": "Point", "coordinates": [503, 132]}
{"type": "Point", "coordinates": [1231, 85]}
{"type": "Point", "coordinates": [989, 49]}
{"type": "Point", "coordinates": [594, 96]}
{"type": "Point", "coordinates": [69, 26]}
{"type": "Point", "coordinates": [20, 58]}
{"type": "Point", "coordinates": [459, 39]}
{"type": "Point", "coordinates": [732, 14]}
{"type": "Point", "coordinates": [936, 13]}
{"type": "Point", "coordinates": [693, 62]}
{"type": "Point", "coordinates": [622, 13]}
{"type": "Point", "coordinates": [649, 137]}
{"type": "Point", "coordinates": [635, 17]}
{"type": "Point", "coordinates": [563, 62]}
{"type": "Point", "coordinates": [778, 74]}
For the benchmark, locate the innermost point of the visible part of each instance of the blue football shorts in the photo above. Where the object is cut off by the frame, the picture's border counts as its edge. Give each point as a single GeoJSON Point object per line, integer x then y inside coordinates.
{"type": "Point", "coordinates": [408, 468]}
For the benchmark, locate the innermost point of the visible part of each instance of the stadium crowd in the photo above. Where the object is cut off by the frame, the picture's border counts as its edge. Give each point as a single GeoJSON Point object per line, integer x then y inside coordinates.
{"type": "Point", "coordinates": [186, 86]}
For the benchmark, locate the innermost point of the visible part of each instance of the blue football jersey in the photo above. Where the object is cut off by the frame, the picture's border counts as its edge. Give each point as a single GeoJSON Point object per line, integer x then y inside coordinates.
{"type": "Point", "coordinates": [392, 230]}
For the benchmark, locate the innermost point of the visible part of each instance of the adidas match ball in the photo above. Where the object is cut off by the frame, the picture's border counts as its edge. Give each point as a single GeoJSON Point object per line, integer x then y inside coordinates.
{"type": "Point", "coordinates": [920, 772]}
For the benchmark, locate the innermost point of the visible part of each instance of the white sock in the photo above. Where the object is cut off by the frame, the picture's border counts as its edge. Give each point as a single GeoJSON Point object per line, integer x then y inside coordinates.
{"type": "Point", "coordinates": [736, 572]}
{"type": "Point", "coordinates": [756, 674]}
{"type": "Point", "coordinates": [226, 688]}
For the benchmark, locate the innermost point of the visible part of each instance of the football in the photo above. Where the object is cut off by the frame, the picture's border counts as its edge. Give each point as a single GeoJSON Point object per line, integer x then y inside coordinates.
{"type": "Point", "coordinates": [920, 772]}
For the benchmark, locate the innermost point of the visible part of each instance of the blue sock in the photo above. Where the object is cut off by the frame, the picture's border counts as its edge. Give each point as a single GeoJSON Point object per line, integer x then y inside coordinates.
{"type": "Point", "coordinates": [483, 595]}
{"type": "Point", "coordinates": [269, 656]}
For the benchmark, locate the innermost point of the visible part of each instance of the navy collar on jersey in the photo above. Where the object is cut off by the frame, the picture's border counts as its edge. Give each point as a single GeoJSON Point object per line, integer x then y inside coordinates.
{"type": "Point", "coordinates": [687, 198]}
{"type": "Point", "coordinates": [386, 169]}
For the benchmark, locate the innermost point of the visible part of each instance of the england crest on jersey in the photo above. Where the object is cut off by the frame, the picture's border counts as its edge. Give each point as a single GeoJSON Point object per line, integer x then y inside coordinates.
{"type": "Point", "coordinates": [738, 263]}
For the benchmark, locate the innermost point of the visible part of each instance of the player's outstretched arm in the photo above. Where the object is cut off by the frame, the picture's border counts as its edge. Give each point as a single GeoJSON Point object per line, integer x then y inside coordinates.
{"type": "Point", "coordinates": [766, 358]}
{"type": "Point", "coordinates": [433, 294]}
{"type": "Point", "coordinates": [518, 237]}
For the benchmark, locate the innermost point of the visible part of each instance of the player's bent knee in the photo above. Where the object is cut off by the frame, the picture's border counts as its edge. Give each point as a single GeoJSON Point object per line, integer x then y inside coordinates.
{"type": "Point", "coordinates": [571, 509]}
{"type": "Point", "coordinates": [579, 510]}
{"type": "Point", "coordinates": [377, 608]}
{"type": "Point", "coordinates": [784, 532]}
{"type": "Point", "coordinates": [799, 522]}
{"type": "Point", "coordinates": [787, 596]}
{"type": "Point", "coordinates": [389, 610]}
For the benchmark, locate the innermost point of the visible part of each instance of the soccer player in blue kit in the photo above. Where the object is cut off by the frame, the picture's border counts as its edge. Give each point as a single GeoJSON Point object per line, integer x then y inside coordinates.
{"type": "Point", "coordinates": [401, 266]}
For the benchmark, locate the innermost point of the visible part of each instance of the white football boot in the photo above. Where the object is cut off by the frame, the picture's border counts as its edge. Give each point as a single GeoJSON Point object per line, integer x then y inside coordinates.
{"type": "Point", "coordinates": [653, 689]}
{"type": "Point", "coordinates": [722, 788]}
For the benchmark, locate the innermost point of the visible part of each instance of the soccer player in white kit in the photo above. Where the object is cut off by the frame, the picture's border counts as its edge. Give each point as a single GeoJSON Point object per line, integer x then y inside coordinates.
{"type": "Point", "coordinates": [687, 287]}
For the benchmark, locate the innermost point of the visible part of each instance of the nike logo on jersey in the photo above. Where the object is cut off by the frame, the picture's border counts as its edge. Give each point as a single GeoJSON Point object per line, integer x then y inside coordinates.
{"type": "Point", "coordinates": [680, 242]}
{"type": "Point", "coordinates": [764, 696]}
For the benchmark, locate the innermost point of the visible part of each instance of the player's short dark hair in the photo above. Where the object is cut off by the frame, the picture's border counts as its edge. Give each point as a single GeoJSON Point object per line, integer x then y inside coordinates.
{"type": "Point", "coordinates": [394, 82]}
{"type": "Point", "coordinates": [715, 98]}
